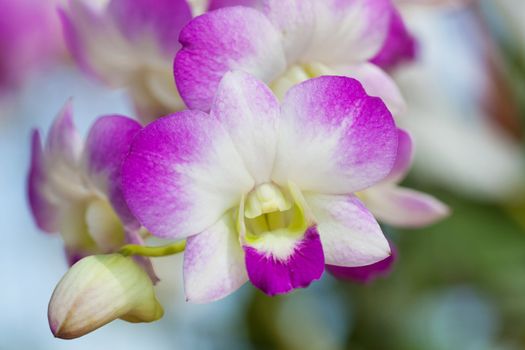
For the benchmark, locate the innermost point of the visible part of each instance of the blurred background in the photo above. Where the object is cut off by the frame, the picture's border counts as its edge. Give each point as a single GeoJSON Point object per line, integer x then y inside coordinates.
{"type": "Point", "coordinates": [459, 284]}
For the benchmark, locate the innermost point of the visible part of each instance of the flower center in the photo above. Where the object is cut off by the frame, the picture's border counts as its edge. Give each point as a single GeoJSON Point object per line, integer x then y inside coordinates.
{"type": "Point", "coordinates": [271, 218]}
{"type": "Point", "coordinates": [267, 209]}
{"type": "Point", "coordinates": [296, 74]}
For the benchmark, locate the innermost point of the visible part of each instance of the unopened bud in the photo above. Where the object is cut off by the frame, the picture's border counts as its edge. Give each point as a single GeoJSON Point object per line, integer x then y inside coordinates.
{"type": "Point", "coordinates": [99, 289]}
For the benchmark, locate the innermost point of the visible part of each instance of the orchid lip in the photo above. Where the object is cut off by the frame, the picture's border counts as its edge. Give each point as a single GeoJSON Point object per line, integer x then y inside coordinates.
{"type": "Point", "coordinates": [271, 219]}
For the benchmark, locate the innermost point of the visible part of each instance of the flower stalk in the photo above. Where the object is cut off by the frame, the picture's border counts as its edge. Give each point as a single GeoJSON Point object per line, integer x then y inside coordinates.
{"type": "Point", "coordinates": [159, 251]}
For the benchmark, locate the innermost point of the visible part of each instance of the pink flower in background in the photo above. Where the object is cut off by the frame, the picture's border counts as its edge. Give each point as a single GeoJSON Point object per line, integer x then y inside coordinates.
{"type": "Point", "coordinates": [74, 187]}
{"type": "Point", "coordinates": [30, 38]}
{"type": "Point", "coordinates": [129, 44]}
{"type": "Point", "coordinates": [286, 42]}
{"type": "Point", "coordinates": [265, 192]}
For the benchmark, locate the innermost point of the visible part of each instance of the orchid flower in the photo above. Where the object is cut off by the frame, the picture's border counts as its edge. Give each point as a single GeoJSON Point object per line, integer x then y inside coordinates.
{"type": "Point", "coordinates": [197, 65]}
{"type": "Point", "coordinates": [284, 42]}
{"type": "Point", "coordinates": [261, 191]}
{"type": "Point", "coordinates": [74, 188]}
{"type": "Point", "coordinates": [129, 44]}
{"type": "Point", "coordinates": [308, 39]}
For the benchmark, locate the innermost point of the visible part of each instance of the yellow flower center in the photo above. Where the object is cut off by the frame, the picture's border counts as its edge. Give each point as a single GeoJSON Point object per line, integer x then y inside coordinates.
{"type": "Point", "coordinates": [296, 74]}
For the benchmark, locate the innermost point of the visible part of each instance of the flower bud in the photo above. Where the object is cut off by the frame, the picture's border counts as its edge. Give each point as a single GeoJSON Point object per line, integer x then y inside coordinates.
{"type": "Point", "coordinates": [99, 289]}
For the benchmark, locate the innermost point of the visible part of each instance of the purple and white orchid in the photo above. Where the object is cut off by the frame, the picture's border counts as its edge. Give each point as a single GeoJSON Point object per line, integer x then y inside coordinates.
{"type": "Point", "coordinates": [284, 42]}
{"type": "Point", "coordinates": [307, 39]}
{"type": "Point", "coordinates": [286, 160]}
{"type": "Point", "coordinates": [75, 188]}
{"type": "Point", "coordinates": [129, 44]}
{"type": "Point", "coordinates": [261, 191]}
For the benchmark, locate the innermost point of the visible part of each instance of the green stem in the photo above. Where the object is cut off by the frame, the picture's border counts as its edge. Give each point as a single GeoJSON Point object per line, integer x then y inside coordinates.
{"type": "Point", "coordinates": [164, 250]}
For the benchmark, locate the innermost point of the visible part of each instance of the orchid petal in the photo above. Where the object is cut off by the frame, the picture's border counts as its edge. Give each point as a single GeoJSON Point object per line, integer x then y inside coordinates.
{"type": "Point", "coordinates": [93, 42]}
{"type": "Point", "coordinates": [399, 45]}
{"type": "Point", "coordinates": [74, 38]}
{"type": "Point", "coordinates": [44, 211]}
{"type": "Point", "coordinates": [162, 19]}
{"type": "Point", "coordinates": [348, 31]}
{"type": "Point", "coordinates": [376, 83]}
{"type": "Point", "coordinates": [403, 207]}
{"type": "Point", "coordinates": [63, 140]}
{"type": "Point", "coordinates": [405, 154]}
{"type": "Point", "coordinates": [364, 274]}
{"type": "Point", "coordinates": [182, 173]}
{"type": "Point", "coordinates": [214, 263]}
{"type": "Point", "coordinates": [334, 138]}
{"type": "Point", "coordinates": [107, 145]}
{"type": "Point", "coordinates": [296, 20]}
{"type": "Point", "coordinates": [249, 111]}
{"type": "Point", "coordinates": [232, 38]}
{"type": "Point", "coordinates": [349, 232]}
{"type": "Point", "coordinates": [61, 160]}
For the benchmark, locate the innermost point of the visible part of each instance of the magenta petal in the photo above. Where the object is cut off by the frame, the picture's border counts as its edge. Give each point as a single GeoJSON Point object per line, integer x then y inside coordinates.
{"type": "Point", "coordinates": [74, 42]}
{"type": "Point", "coordinates": [274, 276]}
{"type": "Point", "coordinates": [364, 274]}
{"type": "Point", "coordinates": [162, 18]}
{"type": "Point", "coordinates": [232, 38]}
{"type": "Point", "coordinates": [404, 157]}
{"type": "Point", "coordinates": [399, 46]}
{"type": "Point", "coordinates": [44, 212]}
{"type": "Point", "coordinates": [107, 144]}
{"type": "Point", "coordinates": [182, 174]}
{"type": "Point", "coordinates": [334, 138]}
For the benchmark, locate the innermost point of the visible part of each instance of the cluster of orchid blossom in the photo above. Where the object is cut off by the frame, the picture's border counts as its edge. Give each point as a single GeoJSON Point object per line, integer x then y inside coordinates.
{"type": "Point", "coordinates": [279, 169]}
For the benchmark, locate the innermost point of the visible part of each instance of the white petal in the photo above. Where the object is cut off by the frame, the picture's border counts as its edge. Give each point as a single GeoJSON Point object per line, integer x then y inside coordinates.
{"type": "Point", "coordinates": [403, 207]}
{"type": "Point", "coordinates": [249, 112]}
{"type": "Point", "coordinates": [349, 233]}
{"type": "Point", "coordinates": [214, 263]}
